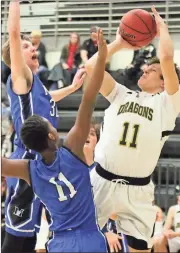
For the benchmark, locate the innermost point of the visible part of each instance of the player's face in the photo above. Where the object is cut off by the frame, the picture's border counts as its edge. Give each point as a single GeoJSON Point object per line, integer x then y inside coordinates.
{"type": "Point", "coordinates": [30, 55]}
{"type": "Point", "coordinates": [91, 140]}
{"type": "Point", "coordinates": [151, 80]}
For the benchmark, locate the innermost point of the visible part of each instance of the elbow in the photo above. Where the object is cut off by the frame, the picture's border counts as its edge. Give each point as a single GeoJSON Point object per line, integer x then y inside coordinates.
{"type": "Point", "coordinates": [167, 57]}
{"type": "Point", "coordinates": [13, 32]}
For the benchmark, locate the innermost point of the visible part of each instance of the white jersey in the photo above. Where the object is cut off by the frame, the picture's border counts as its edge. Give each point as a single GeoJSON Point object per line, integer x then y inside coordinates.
{"type": "Point", "coordinates": [177, 218]}
{"type": "Point", "coordinates": [131, 136]}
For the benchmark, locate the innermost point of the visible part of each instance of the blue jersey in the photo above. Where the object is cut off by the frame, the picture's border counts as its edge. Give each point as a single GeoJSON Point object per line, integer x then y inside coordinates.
{"type": "Point", "coordinates": [65, 189]}
{"type": "Point", "coordinates": [37, 101]}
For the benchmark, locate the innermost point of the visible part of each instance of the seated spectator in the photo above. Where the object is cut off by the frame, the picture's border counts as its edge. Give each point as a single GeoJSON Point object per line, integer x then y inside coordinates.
{"type": "Point", "coordinates": [90, 47]}
{"type": "Point", "coordinates": [171, 233]}
{"type": "Point", "coordinates": [70, 61]}
{"type": "Point", "coordinates": [158, 230]}
{"type": "Point", "coordinates": [5, 72]}
{"type": "Point", "coordinates": [40, 47]}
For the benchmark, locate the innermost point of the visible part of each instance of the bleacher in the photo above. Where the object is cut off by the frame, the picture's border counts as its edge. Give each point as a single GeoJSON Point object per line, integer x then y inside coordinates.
{"type": "Point", "coordinates": [61, 17]}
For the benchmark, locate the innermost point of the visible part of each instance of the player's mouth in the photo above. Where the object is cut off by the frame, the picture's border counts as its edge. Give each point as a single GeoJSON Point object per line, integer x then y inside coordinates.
{"type": "Point", "coordinates": [34, 57]}
{"type": "Point", "coordinates": [87, 142]}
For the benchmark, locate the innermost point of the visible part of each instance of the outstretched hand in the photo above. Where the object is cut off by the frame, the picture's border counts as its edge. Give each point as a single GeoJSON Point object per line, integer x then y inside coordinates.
{"type": "Point", "coordinates": [159, 21]}
{"type": "Point", "coordinates": [78, 79]}
{"type": "Point", "coordinates": [102, 46]}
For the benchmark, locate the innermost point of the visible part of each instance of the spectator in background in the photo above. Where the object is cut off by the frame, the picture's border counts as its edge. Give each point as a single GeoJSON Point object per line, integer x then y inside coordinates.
{"type": "Point", "coordinates": [43, 71]}
{"type": "Point", "coordinates": [40, 47]}
{"type": "Point", "coordinates": [70, 61]}
{"type": "Point", "coordinates": [158, 229]}
{"type": "Point", "coordinates": [171, 233]}
{"type": "Point", "coordinates": [5, 72]}
{"type": "Point", "coordinates": [90, 47]}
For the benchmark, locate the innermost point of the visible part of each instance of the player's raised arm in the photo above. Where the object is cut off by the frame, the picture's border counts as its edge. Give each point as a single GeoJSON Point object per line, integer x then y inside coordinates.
{"type": "Point", "coordinates": [21, 74]}
{"type": "Point", "coordinates": [108, 82]}
{"type": "Point", "coordinates": [15, 168]}
{"type": "Point", "coordinates": [166, 55]}
{"type": "Point", "coordinates": [79, 133]}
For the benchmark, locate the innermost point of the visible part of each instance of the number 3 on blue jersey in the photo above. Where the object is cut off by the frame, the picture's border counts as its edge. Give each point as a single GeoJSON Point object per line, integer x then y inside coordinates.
{"type": "Point", "coordinates": [54, 110]}
{"type": "Point", "coordinates": [63, 179]}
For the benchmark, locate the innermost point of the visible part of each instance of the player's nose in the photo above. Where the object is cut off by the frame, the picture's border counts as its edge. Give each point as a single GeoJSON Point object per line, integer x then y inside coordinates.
{"type": "Point", "coordinates": [33, 49]}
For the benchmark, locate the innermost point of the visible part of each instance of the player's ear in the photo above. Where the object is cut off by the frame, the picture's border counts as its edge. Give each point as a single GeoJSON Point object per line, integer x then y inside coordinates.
{"type": "Point", "coordinates": [162, 84]}
{"type": "Point", "coordinates": [51, 137]}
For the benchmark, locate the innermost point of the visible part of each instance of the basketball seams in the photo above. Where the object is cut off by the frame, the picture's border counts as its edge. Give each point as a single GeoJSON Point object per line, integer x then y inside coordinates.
{"type": "Point", "coordinates": [133, 28]}
{"type": "Point", "coordinates": [143, 22]}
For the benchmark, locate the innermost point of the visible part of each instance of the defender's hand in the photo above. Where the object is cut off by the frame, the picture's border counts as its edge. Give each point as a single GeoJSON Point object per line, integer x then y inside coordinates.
{"type": "Point", "coordinates": [102, 46]}
{"type": "Point", "coordinates": [78, 79]}
{"type": "Point", "coordinates": [113, 241]}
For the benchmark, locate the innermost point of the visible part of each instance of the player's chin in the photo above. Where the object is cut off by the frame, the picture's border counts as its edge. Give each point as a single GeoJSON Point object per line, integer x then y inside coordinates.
{"type": "Point", "coordinates": [141, 82]}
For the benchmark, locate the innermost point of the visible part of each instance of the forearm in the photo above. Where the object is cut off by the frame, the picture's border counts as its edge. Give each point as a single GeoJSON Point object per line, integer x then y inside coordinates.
{"type": "Point", "coordinates": [57, 95]}
{"type": "Point", "coordinates": [112, 49]}
{"type": "Point", "coordinates": [166, 49]}
{"type": "Point", "coordinates": [14, 18]}
{"type": "Point", "coordinates": [177, 234]}
{"type": "Point", "coordinates": [95, 81]}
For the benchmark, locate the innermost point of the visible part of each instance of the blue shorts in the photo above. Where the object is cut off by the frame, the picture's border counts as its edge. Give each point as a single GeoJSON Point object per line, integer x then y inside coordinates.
{"type": "Point", "coordinates": [22, 207]}
{"type": "Point", "coordinates": [78, 241]}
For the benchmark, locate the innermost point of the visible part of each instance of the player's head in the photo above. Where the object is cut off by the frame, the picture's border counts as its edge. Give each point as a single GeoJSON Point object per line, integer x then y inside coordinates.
{"type": "Point", "coordinates": [152, 79]}
{"type": "Point", "coordinates": [29, 53]}
{"type": "Point", "coordinates": [93, 137]}
{"type": "Point", "coordinates": [38, 134]}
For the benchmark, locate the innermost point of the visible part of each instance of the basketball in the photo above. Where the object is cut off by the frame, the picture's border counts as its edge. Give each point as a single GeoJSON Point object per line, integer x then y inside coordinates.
{"type": "Point", "coordinates": [138, 27]}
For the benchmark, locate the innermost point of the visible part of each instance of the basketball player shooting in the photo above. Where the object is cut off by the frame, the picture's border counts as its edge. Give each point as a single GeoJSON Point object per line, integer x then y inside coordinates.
{"type": "Point", "coordinates": [136, 126]}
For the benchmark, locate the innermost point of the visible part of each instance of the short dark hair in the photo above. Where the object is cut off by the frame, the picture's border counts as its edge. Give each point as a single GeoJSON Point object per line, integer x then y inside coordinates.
{"type": "Point", "coordinates": [96, 127]}
{"type": "Point", "coordinates": [34, 133]}
{"type": "Point", "coordinates": [155, 60]}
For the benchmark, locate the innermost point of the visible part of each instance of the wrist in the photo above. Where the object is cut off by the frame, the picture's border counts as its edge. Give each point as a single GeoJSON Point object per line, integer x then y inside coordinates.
{"type": "Point", "coordinates": [163, 27]}
{"type": "Point", "coordinates": [117, 45]}
{"type": "Point", "coordinates": [71, 88]}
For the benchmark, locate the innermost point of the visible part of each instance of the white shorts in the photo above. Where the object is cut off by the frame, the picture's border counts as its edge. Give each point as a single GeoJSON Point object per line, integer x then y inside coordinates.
{"type": "Point", "coordinates": [136, 214]}
{"type": "Point", "coordinates": [174, 244]}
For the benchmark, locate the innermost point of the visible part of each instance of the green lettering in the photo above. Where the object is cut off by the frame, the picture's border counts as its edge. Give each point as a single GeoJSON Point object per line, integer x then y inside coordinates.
{"type": "Point", "coordinates": [130, 109]}
{"type": "Point", "coordinates": [125, 107]}
{"type": "Point", "coordinates": [150, 116]}
{"type": "Point", "coordinates": [120, 109]}
{"type": "Point", "coordinates": [136, 108]}
{"type": "Point", "coordinates": [140, 111]}
{"type": "Point", "coordinates": [145, 112]}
